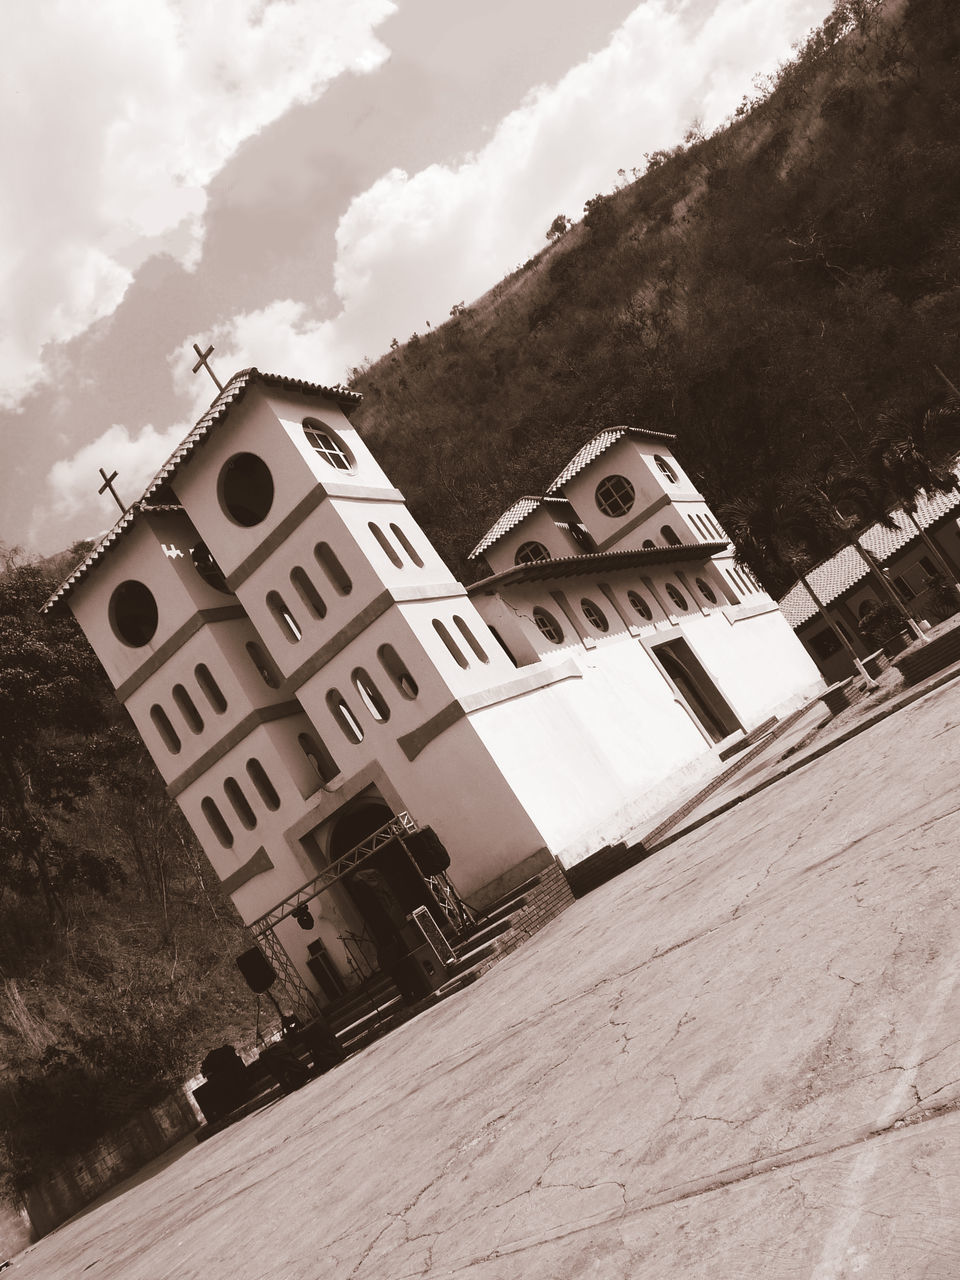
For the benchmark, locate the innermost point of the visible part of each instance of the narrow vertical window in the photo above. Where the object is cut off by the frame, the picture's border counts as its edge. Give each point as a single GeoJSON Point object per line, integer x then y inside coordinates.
{"type": "Point", "coordinates": [318, 755]}
{"type": "Point", "coordinates": [187, 708]}
{"type": "Point", "coordinates": [470, 638]}
{"type": "Point", "coordinates": [211, 690]}
{"type": "Point", "coordinates": [241, 806]}
{"type": "Point", "coordinates": [267, 671]}
{"type": "Point", "coordinates": [370, 695]}
{"type": "Point", "coordinates": [285, 619]}
{"type": "Point", "coordinates": [385, 545]}
{"type": "Point", "coordinates": [264, 787]}
{"type": "Point", "coordinates": [669, 536]}
{"type": "Point", "coordinates": [393, 664]}
{"type": "Point", "coordinates": [308, 593]}
{"type": "Point", "coordinates": [450, 643]}
{"type": "Point", "coordinates": [338, 577]}
{"type": "Point", "coordinates": [161, 722]}
{"type": "Point", "coordinates": [348, 722]}
{"type": "Point", "coordinates": [407, 545]}
{"type": "Point", "coordinates": [216, 820]}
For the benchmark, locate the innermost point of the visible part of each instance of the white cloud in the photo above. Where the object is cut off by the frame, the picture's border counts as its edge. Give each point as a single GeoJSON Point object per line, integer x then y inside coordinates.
{"type": "Point", "coordinates": [117, 116]}
{"type": "Point", "coordinates": [72, 483]}
{"type": "Point", "coordinates": [412, 245]}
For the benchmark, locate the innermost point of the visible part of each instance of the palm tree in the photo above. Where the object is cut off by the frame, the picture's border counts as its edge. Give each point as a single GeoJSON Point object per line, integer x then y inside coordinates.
{"type": "Point", "coordinates": [784, 530]}
{"type": "Point", "coordinates": [899, 460]}
{"type": "Point", "coordinates": [866, 498]}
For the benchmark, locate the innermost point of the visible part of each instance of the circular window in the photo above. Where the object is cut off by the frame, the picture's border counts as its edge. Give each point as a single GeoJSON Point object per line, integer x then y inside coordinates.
{"type": "Point", "coordinates": [530, 553]}
{"type": "Point", "coordinates": [594, 615]}
{"type": "Point", "coordinates": [208, 568]}
{"type": "Point", "coordinates": [677, 597]}
{"type": "Point", "coordinates": [329, 446]}
{"type": "Point", "coordinates": [245, 489]}
{"type": "Point", "coordinates": [548, 625]}
{"type": "Point", "coordinates": [665, 468]}
{"type": "Point", "coordinates": [706, 591]}
{"type": "Point", "coordinates": [637, 602]}
{"type": "Point", "coordinates": [615, 495]}
{"type": "Point", "coordinates": [133, 613]}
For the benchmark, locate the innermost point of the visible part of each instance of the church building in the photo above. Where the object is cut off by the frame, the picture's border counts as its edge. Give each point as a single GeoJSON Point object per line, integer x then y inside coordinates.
{"type": "Point", "coordinates": [362, 744]}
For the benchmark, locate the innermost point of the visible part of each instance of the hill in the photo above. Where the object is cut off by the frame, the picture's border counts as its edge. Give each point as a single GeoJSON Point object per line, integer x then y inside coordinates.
{"type": "Point", "coordinates": [765, 293]}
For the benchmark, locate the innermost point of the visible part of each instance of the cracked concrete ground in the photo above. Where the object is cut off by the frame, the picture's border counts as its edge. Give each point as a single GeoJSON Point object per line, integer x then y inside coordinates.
{"type": "Point", "coordinates": [742, 1056]}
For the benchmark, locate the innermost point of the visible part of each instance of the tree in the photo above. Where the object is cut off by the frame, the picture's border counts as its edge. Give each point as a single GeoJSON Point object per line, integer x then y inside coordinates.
{"type": "Point", "coordinates": [900, 461]}
{"type": "Point", "coordinates": [783, 528]}
{"type": "Point", "coordinates": [52, 696]}
{"type": "Point", "coordinates": [558, 227]}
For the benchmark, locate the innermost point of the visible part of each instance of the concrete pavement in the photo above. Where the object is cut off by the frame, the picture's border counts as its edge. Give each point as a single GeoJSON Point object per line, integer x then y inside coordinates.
{"type": "Point", "coordinates": [743, 1055]}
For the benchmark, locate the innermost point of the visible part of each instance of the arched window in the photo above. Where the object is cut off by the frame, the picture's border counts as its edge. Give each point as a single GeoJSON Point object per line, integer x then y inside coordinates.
{"type": "Point", "coordinates": [648, 545]}
{"type": "Point", "coordinates": [267, 671]}
{"type": "Point", "coordinates": [594, 615]}
{"type": "Point", "coordinates": [187, 708]}
{"type": "Point", "coordinates": [407, 545]}
{"type": "Point", "coordinates": [338, 577]}
{"type": "Point", "coordinates": [241, 806]}
{"type": "Point", "coordinates": [706, 590]}
{"type": "Point", "coordinates": [161, 722]}
{"type": "Point", "coordinates": [370, 695]}
{"type": "Point", "coordinates": [470, 638]}
{"type": "Point", "coordinates": [211, 690]}
{"type": "Point", "coordinates": [265, 788]}
{"type": "Point", "coordinates": [285, 619]}
{"type": "Point", "coordinates": [245, 489]}
{"type": "Point", "coordinates": [615, 495]}
{"type": "Point", "coordinates": [530, 553]}
{"type": "Point", "coordinates": [677, 596]}
{"type": "Point", "coordinates": [392, 663]}
{"type": "Point", "coordinates": [328, 445]}
{"type": "Point", "coordinates": [307, 592]}
{"type": "Point", "coordinates": [548, 625]}
{"type": "Point", "coordinates": [665, 468]}
{"type": "Point", "coordinates": [133, 613]}
{"type": "Point", "coordinates": [386, 546]}
{"type": "Point", "coordinates": [450, 643]}
{"type": "Point", "coordinates": [669, 536]}
{"type": "Point", "coordinates": [318, 755]}
{"type": "Point", "coordinates": [638, 603]}
{"type": "Point", "coordinates": [344, 717]}
{"type": "Point", "coordinates": [217, 824]}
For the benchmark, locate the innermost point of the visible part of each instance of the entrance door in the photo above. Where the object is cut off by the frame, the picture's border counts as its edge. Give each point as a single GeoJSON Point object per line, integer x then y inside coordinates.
{"type": "Point", "coordinates": [386, 887]}
{"type": "Point", "coordinates": [697, 689]}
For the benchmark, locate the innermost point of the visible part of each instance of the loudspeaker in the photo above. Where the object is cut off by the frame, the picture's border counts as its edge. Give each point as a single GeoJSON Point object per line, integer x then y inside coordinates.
{"type": "Point", "coordinates": [258, 972]}
{"type": "Point", "coordinates": [428, 851]}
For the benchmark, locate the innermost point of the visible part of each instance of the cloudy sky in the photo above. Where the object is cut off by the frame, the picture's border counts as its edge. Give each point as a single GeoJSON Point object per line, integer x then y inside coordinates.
{"type": "Point", "coordinates": [298, 182]}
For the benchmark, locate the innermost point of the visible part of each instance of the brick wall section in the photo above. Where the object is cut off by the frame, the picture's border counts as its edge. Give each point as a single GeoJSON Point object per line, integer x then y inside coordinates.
{"type": "Point", "coordinates": [544, 902]}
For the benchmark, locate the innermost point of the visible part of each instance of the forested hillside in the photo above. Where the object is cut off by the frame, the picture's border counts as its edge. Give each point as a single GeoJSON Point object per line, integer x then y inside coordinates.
{"type": "Point", "coordinates": [116, 944]}
{"type": "Point", "coordinates": [766, 293]}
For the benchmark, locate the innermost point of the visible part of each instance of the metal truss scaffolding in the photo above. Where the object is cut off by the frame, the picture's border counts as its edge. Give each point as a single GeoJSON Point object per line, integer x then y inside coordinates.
{"type": "Point", "coordinates": [263, 930]}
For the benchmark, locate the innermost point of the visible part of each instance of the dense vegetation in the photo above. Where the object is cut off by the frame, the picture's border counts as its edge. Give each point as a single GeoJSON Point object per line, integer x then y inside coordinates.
{"type": "Point", "coordinates": [116, 945]}
{"type": "Point", "coordinates": [766, 293]}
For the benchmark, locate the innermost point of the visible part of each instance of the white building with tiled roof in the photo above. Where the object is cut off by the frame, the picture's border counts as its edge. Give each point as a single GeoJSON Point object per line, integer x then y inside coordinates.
{"type": "Point", "coordinates": [845, 585]}
{"type": "Point", "coordinates": [318, 691]}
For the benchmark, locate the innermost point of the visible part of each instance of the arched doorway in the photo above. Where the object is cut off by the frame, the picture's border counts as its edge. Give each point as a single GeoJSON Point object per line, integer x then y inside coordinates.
{"type": "Point", "coordinates": [385, 889]}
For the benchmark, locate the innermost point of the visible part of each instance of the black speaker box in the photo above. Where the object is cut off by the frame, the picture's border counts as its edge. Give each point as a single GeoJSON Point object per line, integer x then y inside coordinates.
{"type": "Point", "coordinates": [257, 971]}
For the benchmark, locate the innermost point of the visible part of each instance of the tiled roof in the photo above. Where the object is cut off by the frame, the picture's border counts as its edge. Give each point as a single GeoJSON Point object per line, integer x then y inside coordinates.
{"type": "Point", "coordinates": [596, 562]}
{"type": "Point", "coordinates": [834, 577]}
{"type": "Point", "coordinates": [598, 445]}
{"type": "Point", "coordinates": [522, 508]}
{"type": "Point", "coordinates": [225, 400]}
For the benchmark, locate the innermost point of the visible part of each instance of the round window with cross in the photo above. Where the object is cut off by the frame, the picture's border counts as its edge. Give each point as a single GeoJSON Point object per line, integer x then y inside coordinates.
{"type": "Point", "coordinates": [328, 445]}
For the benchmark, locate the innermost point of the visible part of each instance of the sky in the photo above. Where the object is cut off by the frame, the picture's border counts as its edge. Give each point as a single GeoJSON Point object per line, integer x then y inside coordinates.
{"type": "Point", "coordinates": [298, 182]}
